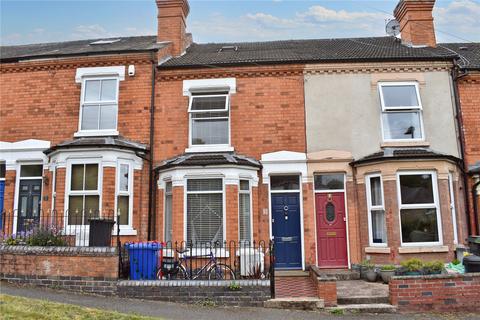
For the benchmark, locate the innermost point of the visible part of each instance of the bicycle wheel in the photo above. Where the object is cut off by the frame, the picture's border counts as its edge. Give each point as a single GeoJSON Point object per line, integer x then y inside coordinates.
{"type": "Point", "coordinates": [221, 271]}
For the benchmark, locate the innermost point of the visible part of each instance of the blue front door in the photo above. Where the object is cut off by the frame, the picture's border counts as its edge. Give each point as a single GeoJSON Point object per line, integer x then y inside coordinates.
{"type": "Point", "coordinates": [286, 230]}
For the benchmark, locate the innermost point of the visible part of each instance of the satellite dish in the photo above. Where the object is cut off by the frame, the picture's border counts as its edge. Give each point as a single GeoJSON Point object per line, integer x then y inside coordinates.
{"type": "Point", "coordinates": [392, 28]}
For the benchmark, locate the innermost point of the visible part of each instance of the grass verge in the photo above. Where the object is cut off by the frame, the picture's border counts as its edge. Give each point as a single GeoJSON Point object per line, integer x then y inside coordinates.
{"type": "Point", "coordinates": [29, 309]}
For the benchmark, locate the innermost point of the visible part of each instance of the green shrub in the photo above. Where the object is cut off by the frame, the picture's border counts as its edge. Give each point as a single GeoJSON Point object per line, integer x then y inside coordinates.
{"type": "Point", "coordinates": [388, 267]}
{"type": "Point", "coordinates": [456, 262]}
{"type": "Point", "coordinates": [367, 264]}
{"type": "Point", "coordinates": [412, 265]}
{"type": "Point", "coordinates": [433, 267]}
{"type": "Point", "coordinates": [46, 237]}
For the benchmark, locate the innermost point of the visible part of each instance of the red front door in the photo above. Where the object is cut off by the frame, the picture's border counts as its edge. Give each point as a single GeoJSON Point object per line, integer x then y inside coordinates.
{"type": "Point", "coordinates": [331, 230]}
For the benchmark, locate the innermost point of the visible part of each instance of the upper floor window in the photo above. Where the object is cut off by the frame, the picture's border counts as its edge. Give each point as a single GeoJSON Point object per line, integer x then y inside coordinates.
{"type": "Point", "coordinates": [99, 104]}
{"type": "Point", "coordinates": [401, 111]}
{"type": "Point", "coordinates": [209, 119]}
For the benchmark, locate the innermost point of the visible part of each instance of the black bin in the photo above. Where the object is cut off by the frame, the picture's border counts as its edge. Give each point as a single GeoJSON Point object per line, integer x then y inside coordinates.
{"type": "Point", "coordinates": [471, 263]}
{"type": "Point", "coordinates": [474, 244]}
{"type": "Point", "coordinates": [100, 232]}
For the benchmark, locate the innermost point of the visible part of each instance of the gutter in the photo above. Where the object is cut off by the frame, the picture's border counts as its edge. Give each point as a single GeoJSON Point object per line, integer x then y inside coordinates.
{"type": "Point", "coordinates": [455, 76]}
{"type": "Point", "coordinates": [151, 179]}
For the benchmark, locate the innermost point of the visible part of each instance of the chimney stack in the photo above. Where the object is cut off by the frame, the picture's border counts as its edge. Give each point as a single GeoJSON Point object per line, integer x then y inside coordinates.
{"type": "Point", "coordinates": [416, 22]}
{"type": "Point", "coordinates": [172, 15]}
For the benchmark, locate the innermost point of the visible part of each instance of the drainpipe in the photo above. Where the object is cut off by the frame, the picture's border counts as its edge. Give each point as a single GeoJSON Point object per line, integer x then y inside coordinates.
{"type": "Point", "coordinates": [151, 180]}
{"type": "Point", "coordinates": [455, 76]}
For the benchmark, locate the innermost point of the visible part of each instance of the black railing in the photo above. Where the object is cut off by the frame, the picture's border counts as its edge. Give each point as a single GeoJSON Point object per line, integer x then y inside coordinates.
{"type": "Point", "coordinates": [58, 228]}
{"type": "Point", "coordinates": [230, 260]}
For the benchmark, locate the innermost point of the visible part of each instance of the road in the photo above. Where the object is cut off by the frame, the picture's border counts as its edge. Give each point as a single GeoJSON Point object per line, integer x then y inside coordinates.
{"type": "Point", "coordinates": [194, 312]}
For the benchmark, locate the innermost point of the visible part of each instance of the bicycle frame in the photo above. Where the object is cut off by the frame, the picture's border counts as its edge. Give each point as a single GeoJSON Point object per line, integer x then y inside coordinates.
{"type": "Point", "coordinates": [206, 267]}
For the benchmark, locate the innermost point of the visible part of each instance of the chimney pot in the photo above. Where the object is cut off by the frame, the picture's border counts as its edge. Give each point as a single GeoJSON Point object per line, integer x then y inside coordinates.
{"type": "Point", "coordinates": [416, 22]}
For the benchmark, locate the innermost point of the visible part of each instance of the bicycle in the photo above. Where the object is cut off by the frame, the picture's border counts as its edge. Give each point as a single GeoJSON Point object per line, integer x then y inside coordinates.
{"type": "Point", "coordinates": [178, 269]}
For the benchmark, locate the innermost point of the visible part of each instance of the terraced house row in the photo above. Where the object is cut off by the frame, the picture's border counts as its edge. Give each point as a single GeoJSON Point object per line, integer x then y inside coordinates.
{"type": "Point", "coordinates": [338, 149]}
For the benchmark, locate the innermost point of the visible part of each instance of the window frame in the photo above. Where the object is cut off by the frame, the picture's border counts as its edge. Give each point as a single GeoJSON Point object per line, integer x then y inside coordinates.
{"type": "Point", "coordinates": [203, 147]}
{"type": "Point", "coordinates": [401, 109]}
{"type": "Point", "coordinates": [69, 192]}
{"type": "Point", "coordinates": [95, 132]}
{"type": "Point", "coordinates": [249, 193]}
{"type": "Point", "coordinates": [165, 194]}
{"type": "Point", "coordinates": [329, 190]}
{"type": "Point", "coordinates": [371, 208]}
{"type": "Point", "coordinates": [186, 193]}
{"type": "Point", "coordinates": [435, 205]}
{"type": "Point", "coordinates": [128, 193]}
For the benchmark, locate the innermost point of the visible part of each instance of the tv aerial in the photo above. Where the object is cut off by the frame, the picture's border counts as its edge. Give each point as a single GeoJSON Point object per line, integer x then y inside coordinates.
{"type": "Point", "coordinates": [392, 28]}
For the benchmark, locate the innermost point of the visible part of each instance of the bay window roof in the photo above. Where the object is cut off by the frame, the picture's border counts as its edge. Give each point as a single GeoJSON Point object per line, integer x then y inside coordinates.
{"type": "Point", "coordinates": [208, 159]}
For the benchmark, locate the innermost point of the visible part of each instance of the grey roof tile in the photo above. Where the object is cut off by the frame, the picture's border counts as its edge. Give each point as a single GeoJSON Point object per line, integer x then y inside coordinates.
{"type": "Point", "coordinates": [404, 153]}
{"type": "Point", "coordinates": [469, 54]}
{"type": "Point", "coordinates": [99, 142]}
{"type": "Point", "coordinates": [208, 159]}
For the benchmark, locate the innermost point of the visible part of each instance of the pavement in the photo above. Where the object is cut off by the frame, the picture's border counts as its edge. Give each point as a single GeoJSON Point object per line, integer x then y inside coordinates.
{"type": "Point", "coordinates": [175, 311]}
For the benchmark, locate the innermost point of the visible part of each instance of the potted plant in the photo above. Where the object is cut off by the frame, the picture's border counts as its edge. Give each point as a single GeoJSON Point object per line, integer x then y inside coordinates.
{"type": "Point", "coordinates": [386, 272]}
{"type": "Point", "coordinates": [370, 272]}
{"type": "Point", "coordinates": [412, 267]}
{"type": "Point", "coordinates": [433, 267]}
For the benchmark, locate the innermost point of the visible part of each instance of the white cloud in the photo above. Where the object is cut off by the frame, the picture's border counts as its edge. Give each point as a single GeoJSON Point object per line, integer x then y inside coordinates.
{"type": "Point", "coordinates": [458, 18]}
{"type": "Point", "coordinates": [322, 14]}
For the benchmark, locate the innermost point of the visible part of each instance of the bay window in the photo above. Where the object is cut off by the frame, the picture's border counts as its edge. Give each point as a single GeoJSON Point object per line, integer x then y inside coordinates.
{"type": "Point", "coordinates": [83, 193]}
{"type": "Point", "coordinates": [419, 208]}
{"type": "Point", "coordinates": [244, 212]}
{"type": "Point", "coordinates": [205, 211]}
{"type": "Point", "coordinates": [376, 210]}
{"type": "Point", "coordinates": [124, 198]}
{"type": "Point", "coordinates": [401, 111]}
{"type": "Point", "coordinates": [209, 119]}
{"type": "Point", "coordinates": [168, 227]}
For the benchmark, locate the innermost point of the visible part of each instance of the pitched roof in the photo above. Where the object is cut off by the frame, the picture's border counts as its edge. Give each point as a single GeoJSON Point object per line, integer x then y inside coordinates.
{"type": "Point", "coordinates": [208, 159]}
{"type": "Point", "coordinates": [469, 54]}
{"type": "Point", "coordinates": [305, 51]}
{"type": "Point", "coordinates": [404, 153]}
{"type": "Point", "coordinates": [81, 47]}
{"type": "Point", "coordinates": [99, 142]}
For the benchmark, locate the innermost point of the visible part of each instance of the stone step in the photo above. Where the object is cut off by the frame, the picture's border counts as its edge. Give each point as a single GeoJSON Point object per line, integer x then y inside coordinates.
{"type": "Point", "coordinates": [341, 274]}
{"type": "Point", "coordinates": [306, 303]}
{"type": "Point", "coordinates": [362, 300]}
{"type": "Point", "coordinates": [365, 308]}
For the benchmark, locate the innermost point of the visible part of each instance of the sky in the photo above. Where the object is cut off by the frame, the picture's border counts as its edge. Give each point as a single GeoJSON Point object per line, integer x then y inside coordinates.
{"type": "Point", "coordinates": [24, 22]}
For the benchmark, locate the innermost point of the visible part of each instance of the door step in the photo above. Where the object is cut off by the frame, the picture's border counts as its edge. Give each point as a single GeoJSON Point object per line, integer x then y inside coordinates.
{"type": "Point", "coordinates": [341, 274]}
{"type": "Point", "coordinates": [302, 303]}
{"type": "Point", "coordinates": [291, 273]}
{"type": "Point", "coordinates": [362, 300]}
{"type": "Point", "coordinates": [365, 308]}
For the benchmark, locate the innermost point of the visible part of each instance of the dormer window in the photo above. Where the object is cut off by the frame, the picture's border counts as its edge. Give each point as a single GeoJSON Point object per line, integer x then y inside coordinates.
{"type": "Point", "coordinates": [401, 111]}
{"type": "Point", "coordinates": [209, 119]}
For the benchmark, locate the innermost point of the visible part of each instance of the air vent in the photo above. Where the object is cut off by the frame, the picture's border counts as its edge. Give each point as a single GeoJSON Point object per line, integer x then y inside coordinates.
{"type": "Point", "coordinates": [228, 48]}
{"type": "Point", "coordinates": [463, 48]}
{"type": "Point", "coordinates": [106, 41]}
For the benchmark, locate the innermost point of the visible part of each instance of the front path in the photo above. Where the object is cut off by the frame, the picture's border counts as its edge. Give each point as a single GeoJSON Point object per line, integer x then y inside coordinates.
{"type": "Point", "coordinates": [180, 311]}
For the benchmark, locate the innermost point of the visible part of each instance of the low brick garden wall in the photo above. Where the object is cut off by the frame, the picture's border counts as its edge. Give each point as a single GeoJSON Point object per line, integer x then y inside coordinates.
{"type": "Point", "coordinates": [326, 286]}
{"type": "Point", "coordinates": [246, 293]}
{"type": "Point", "coordinates": [436, 292]}
{"type": "Point", "coordinates": [81, 269]}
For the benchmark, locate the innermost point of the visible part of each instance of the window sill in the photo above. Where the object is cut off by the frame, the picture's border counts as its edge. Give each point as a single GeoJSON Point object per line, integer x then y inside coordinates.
{"type": "Point", "coordinates": [125, 231]}
{"type": "Point", "coordinates": [423, 249]}
{"type": "Point", "coordinates": [403, 143]}
{"type": "Point", "coordinates": [377, 250]}
{"type": "Point", "coordinates": [219, 148]}
{"type": "Point", "coordinates": [96, 133]}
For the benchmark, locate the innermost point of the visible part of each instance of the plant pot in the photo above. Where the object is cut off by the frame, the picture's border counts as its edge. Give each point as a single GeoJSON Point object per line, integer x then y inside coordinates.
{"type": "Point", "coordinates": [386, 275]}
{"type": "Point", "coordinates": [413, 273]}
{"type": "Point", "coordinates": [371, 275]}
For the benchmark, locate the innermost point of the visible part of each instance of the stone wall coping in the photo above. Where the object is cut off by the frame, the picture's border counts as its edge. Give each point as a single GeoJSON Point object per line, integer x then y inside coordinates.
{"type": "Point", "coordinates": [321, 277]}
{"type": "Point", "coordinates": [58, 251]}
{"type": "Point", "coordinates": [437, 276]}
{"type": "Point", "coordinates": [194, 283]}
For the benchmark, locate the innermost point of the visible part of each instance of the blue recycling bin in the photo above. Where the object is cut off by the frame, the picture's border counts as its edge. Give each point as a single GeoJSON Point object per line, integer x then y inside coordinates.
{"type": "Point", "coordinates": [143, 260]}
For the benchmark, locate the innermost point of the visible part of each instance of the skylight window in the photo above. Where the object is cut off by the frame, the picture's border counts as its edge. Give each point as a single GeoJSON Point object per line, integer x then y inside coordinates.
{"type": "Point", "coordinates": [228, 48]}
{"type": "Point", "coordinates": [106, 41]}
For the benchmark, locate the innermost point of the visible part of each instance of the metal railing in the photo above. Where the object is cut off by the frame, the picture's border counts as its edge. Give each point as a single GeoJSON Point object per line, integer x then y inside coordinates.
{"type": "Point", "coordinates": [55, 228]}
{"type": "Point", "coordinates": [230, 260]}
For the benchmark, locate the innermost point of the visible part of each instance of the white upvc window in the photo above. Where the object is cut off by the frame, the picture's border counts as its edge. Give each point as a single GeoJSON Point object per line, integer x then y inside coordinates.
{"type": "Point", "coordinates": [401, 111]}
{"type": "Point", "coordinates": [245, 212]}
{"type": "Point", "coordinates": [99, 106]}
{"type": "Point", "coordinates": [168, 223]}
{"type": "Point", "coordinates": [209, 120]}
{"type": "Point", "coordinates": [83, 191]}
{"type": "Point", "coordinates": [377, 229]}
{"type": "Point", "coordinates": [420, 222]}
{"type": "Point", "coordinates": [124, 194]}
{"type": "Point", "coordinates": [205, 211]}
